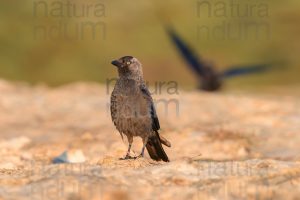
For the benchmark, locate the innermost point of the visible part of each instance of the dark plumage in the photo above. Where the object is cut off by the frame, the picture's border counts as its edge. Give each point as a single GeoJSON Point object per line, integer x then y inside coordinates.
{"type": "Point", "coordinates": [132, 109]}
{"type": "Point", "coordinates": [209, 78]}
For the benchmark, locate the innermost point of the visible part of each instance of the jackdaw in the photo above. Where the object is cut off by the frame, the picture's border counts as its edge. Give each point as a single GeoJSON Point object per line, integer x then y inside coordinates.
{"type": "Point", "coordinates": [209, 78]}
{"type": "Point", "coordinates": [132, 109]}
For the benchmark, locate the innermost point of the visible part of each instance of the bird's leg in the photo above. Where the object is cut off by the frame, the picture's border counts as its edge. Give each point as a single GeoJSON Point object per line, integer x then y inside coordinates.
{"type": "Point", "coordinates": [127, 156]}
{"type": "Point", "coordinates": [145, 140]}
{"type": "Point", "coordinates": [128, 152]}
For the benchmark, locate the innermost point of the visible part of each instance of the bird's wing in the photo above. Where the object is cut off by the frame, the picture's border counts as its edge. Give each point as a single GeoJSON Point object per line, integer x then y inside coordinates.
{"type": "Point", "coordinates": [154, 147]}
{"type": "Point", "coordinates": [186, 52]}
{"type": "Point", "coordinates": [244, 70]}
{"type": "Point", "coordinates": [154, 118]}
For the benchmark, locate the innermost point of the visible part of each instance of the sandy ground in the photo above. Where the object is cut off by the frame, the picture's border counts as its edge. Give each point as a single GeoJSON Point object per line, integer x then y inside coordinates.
{"type": "Point", "coordinates": [224, 146]}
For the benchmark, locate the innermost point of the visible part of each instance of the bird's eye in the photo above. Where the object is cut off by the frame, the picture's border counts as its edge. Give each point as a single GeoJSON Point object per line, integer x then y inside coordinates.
{"type": "Point", "coordinates": [128, 63]}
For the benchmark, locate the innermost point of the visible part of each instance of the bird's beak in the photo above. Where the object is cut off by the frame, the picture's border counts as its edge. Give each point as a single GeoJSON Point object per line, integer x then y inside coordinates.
{"type": "Point", "coordinates": [116, 63]}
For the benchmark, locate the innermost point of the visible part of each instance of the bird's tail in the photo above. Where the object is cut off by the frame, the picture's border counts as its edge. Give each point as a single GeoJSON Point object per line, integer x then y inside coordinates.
{"type": "Point", "coordinates": [155, 149]}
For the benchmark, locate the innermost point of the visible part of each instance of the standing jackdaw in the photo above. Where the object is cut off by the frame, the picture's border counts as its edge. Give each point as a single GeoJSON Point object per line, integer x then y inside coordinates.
{"type": "Point", "coordinates": [133, 111]}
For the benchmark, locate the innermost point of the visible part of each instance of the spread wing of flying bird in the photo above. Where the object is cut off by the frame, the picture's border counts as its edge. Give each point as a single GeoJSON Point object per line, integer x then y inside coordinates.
{"type": "Point", "coordinates": [209, 78]}
{"type": "Point", "coordinates": [186, 52]}
{"type": "Point", "coordinates": [245, 70]}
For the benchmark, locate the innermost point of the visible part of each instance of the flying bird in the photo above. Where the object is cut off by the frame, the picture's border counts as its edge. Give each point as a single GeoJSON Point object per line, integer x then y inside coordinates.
{"type": "Point", "coordinates": [133, 112]}
{"type": "Point", "coordinates": [209, 78]}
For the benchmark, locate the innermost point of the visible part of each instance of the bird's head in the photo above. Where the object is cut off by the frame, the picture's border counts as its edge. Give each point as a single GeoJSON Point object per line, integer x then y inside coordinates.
{"type": "Point", "coordinates": [128, 66]}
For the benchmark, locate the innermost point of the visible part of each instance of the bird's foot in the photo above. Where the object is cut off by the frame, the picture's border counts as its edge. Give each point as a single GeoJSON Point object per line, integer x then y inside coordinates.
{"type": "Point", "coordinates": [139, 156]}
{"type": "Point", "coordinates": [127, 157]}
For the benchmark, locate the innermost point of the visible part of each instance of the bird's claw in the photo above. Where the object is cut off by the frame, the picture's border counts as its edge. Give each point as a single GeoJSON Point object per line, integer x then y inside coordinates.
{"type": "Point", "coordinates": [139, 156]}
{"type": "Point", "coordinates": [127, 157]}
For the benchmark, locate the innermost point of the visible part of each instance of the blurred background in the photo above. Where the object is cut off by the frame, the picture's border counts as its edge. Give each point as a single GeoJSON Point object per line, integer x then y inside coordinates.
{"type": "Point", "coordinates": [56, 42]}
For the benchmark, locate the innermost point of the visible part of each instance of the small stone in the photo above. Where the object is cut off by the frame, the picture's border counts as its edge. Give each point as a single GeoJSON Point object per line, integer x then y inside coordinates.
{"type": "Point", "coordinates": [71, 156]}
{"type": "Point", "coordinates": [76, 156]}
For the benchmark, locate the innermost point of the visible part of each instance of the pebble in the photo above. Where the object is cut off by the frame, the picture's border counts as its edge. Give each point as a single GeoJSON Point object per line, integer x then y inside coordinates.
{"type": "Point", "coordinates": [71, 156]}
